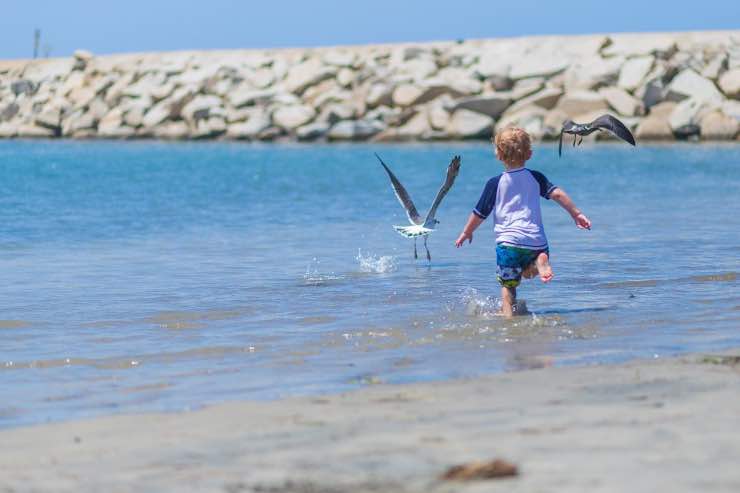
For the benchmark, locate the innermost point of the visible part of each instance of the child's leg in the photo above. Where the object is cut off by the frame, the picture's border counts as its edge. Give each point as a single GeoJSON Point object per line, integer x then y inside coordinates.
{"type": "Point", "coordinates": [543, 267]}
{"type": "Point", "coordinates": [530, 270]}
{"type": "Point", "coordinates": [508, 301]}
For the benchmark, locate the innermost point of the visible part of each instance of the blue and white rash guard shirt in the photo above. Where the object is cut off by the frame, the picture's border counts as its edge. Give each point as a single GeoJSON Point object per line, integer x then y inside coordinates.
{"type": "Point", "coordinates": [514, 199]}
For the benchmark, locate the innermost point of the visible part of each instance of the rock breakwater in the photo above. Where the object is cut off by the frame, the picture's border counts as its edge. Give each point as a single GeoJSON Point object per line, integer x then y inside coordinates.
{"type": "Point", "coordinates": [664, 86]}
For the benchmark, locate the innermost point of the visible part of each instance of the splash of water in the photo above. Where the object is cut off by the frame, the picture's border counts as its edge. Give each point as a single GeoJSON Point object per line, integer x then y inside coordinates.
{"type": "Point", "coordinates": [376, 264]}
{"type": "Point", "coordinates": [315, 277]}
{"type": "Point", "coordinates": [479, 306]}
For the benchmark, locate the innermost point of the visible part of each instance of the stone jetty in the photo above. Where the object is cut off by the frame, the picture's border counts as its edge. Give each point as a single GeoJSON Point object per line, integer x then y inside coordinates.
{"type": "Point", "coordinates": [665, 86]}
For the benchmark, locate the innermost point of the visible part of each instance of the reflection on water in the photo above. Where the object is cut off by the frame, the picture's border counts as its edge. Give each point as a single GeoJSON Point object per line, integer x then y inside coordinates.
{"type": "Point", "coordinates": [151, 276]}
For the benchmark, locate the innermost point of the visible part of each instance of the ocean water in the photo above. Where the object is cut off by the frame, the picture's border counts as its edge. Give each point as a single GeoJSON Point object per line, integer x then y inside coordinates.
{"type": "Point", "coordinates": [147, 276]}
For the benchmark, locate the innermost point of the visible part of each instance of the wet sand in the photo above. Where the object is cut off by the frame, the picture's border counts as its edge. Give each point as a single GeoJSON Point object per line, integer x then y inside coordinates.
{"type": "Point", "coordinates": [661, 425]}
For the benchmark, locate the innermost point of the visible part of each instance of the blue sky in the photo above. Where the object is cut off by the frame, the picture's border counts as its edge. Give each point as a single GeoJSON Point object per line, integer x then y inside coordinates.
{"type": "Point", "coordinates": [152, 25]}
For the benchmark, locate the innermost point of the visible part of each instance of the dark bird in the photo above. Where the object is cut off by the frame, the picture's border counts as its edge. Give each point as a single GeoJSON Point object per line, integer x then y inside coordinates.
{"type": "Point", "coordinates": [604, 122]}
{"type": "Point", "coordinates": [421, 227]}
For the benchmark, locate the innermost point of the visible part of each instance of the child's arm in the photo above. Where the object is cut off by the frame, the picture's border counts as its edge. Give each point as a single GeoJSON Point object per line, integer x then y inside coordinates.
{"type": "Point", "coordinates": [467, 233]}
{"type": "Point", "coordinates": [562, 198]}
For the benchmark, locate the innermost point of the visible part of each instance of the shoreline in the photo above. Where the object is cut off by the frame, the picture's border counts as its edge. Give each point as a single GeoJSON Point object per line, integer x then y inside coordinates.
{"type": "Point", "coordinates": [646, 425]}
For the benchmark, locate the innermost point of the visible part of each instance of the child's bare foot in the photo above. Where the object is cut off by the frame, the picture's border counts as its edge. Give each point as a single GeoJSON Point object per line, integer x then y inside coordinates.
{"type": "Point", "coordinates": [544, 268]}
{"type": "Point", "coordinates": [530, 271]}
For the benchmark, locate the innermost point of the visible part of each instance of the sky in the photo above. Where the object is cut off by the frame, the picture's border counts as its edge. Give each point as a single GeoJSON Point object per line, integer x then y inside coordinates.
{"type": "Point", "coordinates": [106, 26]}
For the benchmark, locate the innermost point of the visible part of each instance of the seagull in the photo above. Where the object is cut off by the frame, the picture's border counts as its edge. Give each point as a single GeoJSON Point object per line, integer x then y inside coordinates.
{"type": "Point", "coordinates": [418, 226]}
{"type": "Point", "coordinates": [604, 122]}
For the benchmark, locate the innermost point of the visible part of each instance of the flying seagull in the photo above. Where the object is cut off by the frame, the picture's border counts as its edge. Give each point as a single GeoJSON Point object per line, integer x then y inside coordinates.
{"type": "Point", "coordinates": [604, 122]}
{"type": "Point", "coordinates": [418, 226]}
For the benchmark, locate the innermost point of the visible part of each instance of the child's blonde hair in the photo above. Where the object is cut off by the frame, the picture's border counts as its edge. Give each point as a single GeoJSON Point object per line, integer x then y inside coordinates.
{"type": "Point", "coordinates": [513, 145]}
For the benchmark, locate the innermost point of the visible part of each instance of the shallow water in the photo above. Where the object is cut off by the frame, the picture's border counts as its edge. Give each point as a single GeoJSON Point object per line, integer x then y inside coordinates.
{"type": "Point", "coordinates": [151, 276]}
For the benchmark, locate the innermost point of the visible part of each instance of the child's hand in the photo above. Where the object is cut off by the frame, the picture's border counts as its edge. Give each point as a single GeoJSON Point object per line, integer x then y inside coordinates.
{"type": "Point", "coordinates": [582, 221]}
{"type": "Point", "coordinates": [464, 236]}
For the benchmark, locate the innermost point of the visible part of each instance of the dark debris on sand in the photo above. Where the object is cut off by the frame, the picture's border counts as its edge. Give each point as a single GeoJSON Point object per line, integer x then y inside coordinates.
{"type": "Point", "coordinates": [494, 469]}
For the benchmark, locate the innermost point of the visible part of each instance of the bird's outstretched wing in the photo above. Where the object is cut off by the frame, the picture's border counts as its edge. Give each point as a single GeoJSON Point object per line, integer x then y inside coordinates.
{"type": "Point", "coordinates": [614, 127]}
{"type": "Point", "coordinates": [402, 195]}
{"type": "Point", "coordinates": [452, 170]}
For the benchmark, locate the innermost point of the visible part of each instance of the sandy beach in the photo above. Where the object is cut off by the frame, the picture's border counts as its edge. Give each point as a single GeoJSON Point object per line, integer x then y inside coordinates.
{"type": "Point", "coordinates": [654, 425]}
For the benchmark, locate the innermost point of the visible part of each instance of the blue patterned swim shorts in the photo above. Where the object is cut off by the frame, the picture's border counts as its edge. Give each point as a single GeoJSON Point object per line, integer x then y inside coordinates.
{"type": "Point", "coordinates": [511, 261]}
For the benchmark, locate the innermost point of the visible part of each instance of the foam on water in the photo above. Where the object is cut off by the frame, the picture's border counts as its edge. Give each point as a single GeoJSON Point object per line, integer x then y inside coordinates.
{"type": "Point", "coordinates": [314, 277]}
{"type": "Point", "coordinates": [376, 264]}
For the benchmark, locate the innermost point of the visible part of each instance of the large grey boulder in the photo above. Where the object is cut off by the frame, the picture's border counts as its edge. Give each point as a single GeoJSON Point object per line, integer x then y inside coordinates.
{"type": "Point", "coordinates": [8, 130]}
{"type": "Point", "coordinates": [729, 82]}
{"type": "Point", "coordinates": [492, 105]}
{"type": "Point", "coordinates": [714, 68]}
{"type": "Point", "coordinates": [333, 113]}
{"type": "Point", "coordinates": [23, 86]}
{"type": "Point", "coordinates": [406, 94]}
{"type": "Point", "coordinates": [632, 45]}
{"type": "Point", "coordinates": [201, 107]}
{"type": "Point", "coordinates": [208, 128]}
{"type": "Point", "coordinates": [50, 117]}
{"type": "Point", "coordinates": [536, 65]}
{"type": "Point", "coordinates": [530, 118]}
{"type": "Point", "coordinates": [114, 92]}
{"type": "Point", "coordinates": [417, 127]}
{"type": "Point", "coordinates": [689, 84]}
{"type": "Point", "coordinates": [622, 102]}
{"type": "Point", "coordinates": [379, 94]}
{"type": "Point", "coordinates": [439, 117]}
{"type": "Point", "coordinates": [524, 87]}
{"type": "Point", "coordinates": [133, 117]}
{"type": "Point", "coordinates": [80, 97]}
{"type": "Point", "coordinates": [34, 131]}
{"type": "Point", "coordinates": [258, 122]}
{"type": "Point", "coordinates": [579, 102]}
{"type": "Point", "coordinates": [312, 131]}
{"type": "Point", "coordinates": [111, 123]}
{"type": "Point", "coordinates": [492, 65]}
{"type": "Point", "coordinates": [261, 78]}
{"type": "Point", "coordinates": [97, 109]}
{"type": "Point", "coordinates": [468, 124]}
{"type": "Point", "coordinates": [457, 80]}
{"type": "Point", "coordinates": [292, 117]}
{"type": "Point", "coordinates": [158, 114]}
{"type": "Point", "coordinates": [686, 116]}
{"type": "Point", "coordinates": [145, 85]}
{"type": "Point", "coordinates": [418, 70]}
{"type": "Point", "coordinates": [732, 109]}
{"type": "Point", "coordinates": [48, 70]}
{"type": "Point", "coordinates": [246, 96]}
{"type": "Point", "coordinates": [715, 125]}
{"type": "Point", "coordinates": [355, 130]}
{"type": "Point", "coordinates": [634, 71]}
{"type": "Point", "coordinates": [8, 112]}
{"type": "Point", "coordinates": [302, 76]}
{"type": "Point", "coordinates": [346, 76]}
{"type": "Point", "coordinates": [77, 124]}
{"type": "Point", "coordinates": [547, 98]}
{"type": "Point", "coordinates": [654, 127]}
{"type": "Point", "coordinates": [172, 131]}
{"type": "Point", "coordinates": [592, 73]}
{"type": "Point", "coordinates": [340, 58]}
{"type": "Point", "coordinates": [163, 91]}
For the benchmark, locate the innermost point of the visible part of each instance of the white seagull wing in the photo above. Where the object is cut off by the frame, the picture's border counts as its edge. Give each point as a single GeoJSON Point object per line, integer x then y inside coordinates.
{"type": "Point", "coordinates": [452, 170]}
{"type": "Point", "coordinates": [403, 196]}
